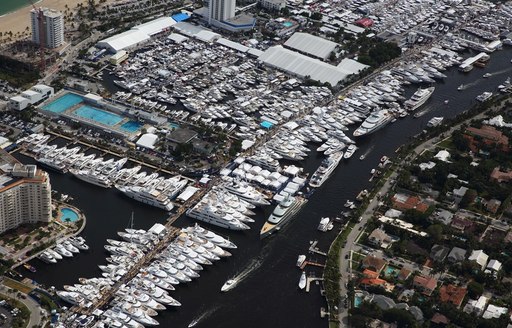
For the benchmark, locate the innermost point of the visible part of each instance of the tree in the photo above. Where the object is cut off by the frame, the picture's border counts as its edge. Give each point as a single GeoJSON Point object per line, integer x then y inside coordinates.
{"type": "Point", "coordinates": [316, 16]}
{"type": "Point", "coordinates": [475, 289]}
{"type": "Point", "coordinates": [468, 198]}
{"type": "Point", "coordinates": [436, 232]}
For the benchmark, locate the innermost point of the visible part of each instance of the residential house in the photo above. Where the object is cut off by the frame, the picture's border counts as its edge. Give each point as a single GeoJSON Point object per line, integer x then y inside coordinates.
{"type": "Point", "coordinates": [443, 216]}
{"type": "Point", "coordinates": [476, 306]}
{"type": "Point", "coordinates": [403, 274]}
{"type": "Point", "coordinates": [376, 323]}
{"type": "Point", "coordinates": [459, 193]}
{"type": "Point", "coordinates": [494, 266]}
{"type": "Point", "coordinates": [380, 238]}
{"type": "Point", "coordinates": [494, 311]}
{"type": "Point", "coordinates": [439, 320]}
{"type": "Point", "coordinates": [501, 176]}
{"type": "Point", "coordinates": [486, 135]}
{"type": "Point", "coordinates": [374, 263]}
{"type": "Point", "coordinates": [438, 253]}
{"type": "Point", "coordinates": [426, 285]}
{"type": "Point", "coordinates": [443, 155]}
{"type": "Point", "coordinates": [405, 202]}
{"type": "Point", "coordinates": [376, 282]}
{"type": "Point", "coordinates": [457, 255]}
{"type": "Point", "coordinates": [452, 294]}
{"type": "Point", "coordinates": [479, 257]}
{"type": "Point", "coordinates": [493, 205]}
{"type": "Point", "coordinates": [462, 223]}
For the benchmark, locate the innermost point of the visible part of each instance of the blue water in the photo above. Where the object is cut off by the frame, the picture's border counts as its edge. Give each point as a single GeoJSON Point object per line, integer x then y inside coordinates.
{"type": "Point", "coordinates": [390, 271]}
{"type": "Point", "coordinates": [174, 126]}
{"type": "Point", "coordinates": [287, 24]}
{"type": "Point", "coordinates": [63, 103]}
{"type": "Point", "coordinates": [357, 301]}
{"type": "Point", "coordinates": [68, 215]}
{"type": "Point", "coordinates": [98, 115]}
{"type": "Point", "coordinates": [131, 126]}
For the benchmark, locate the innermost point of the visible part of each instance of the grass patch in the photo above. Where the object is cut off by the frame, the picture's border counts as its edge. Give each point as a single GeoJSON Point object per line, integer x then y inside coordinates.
{"type": "Point", "coordinates": [17, 285]}
{"type": "Point", "coordinates": [446, 143]}
{"type": "Point", "coordinates": [357, 257]}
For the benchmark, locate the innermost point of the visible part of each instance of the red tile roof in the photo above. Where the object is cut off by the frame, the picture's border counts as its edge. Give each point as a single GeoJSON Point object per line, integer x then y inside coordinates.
{"type": "Point", "coordinates": [452, 294]}
{"type": "Point", "coordinates": [426, 284]}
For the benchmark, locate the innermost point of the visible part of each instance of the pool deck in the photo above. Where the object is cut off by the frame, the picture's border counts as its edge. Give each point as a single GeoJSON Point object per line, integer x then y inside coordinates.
{"type": "Point", "coordinates": [69, 113]}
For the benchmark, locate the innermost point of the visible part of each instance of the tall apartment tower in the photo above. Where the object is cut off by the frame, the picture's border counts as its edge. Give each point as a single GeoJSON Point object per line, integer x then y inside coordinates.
{"type": "Point", "coordinates": [221, 10]}
{"type": "Point", "coordinates": [51, 30]}
{"type": "Point", "coordinates": [25, 194]}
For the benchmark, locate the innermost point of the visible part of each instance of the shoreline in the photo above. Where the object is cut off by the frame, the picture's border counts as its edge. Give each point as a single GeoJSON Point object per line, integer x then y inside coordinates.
{"type": "Point", "coordinates": [17, 9]}
{"type": "Point", "coordinates": [18, 20]}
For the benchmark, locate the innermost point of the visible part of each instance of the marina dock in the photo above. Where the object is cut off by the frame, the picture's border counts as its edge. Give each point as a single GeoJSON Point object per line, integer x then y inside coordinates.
{"type": "Point", "coordinates": [314, 249]}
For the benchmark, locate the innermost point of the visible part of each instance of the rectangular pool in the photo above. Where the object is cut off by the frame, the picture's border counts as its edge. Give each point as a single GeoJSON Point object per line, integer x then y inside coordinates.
{"type": "Point", "coordinates": [131, 126]}
{"type": "Point", "coordinates": [63, 103]}
{"type": "Point", "coordinates": [98, 115]}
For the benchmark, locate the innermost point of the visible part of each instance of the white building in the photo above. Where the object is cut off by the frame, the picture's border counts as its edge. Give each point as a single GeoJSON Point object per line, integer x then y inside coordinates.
{"type": "Point", "coordinates": [479, 257]}
{"type": "Point", "coordinates": [25, 194]}
{"type": "Point", "coordinates": [273, 4]}
{"type": "Point", "coordinates": [51, 30]}
{"type": "Point", "coordinates": [221, 10]}
{"type": "Point", "coordinates": [34, 95]}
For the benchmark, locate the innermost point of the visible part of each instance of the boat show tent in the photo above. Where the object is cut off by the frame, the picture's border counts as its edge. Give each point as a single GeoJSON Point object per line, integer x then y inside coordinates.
{"type": "Point", "coordinates": [232, 45]}
{"type": "Point", "coordinates": [177, 38]}
{"type": "Point", "coordinates": [136, 35]}
{"type": "Point", "coordinates": [147, 140]}
{"type": "Point", "coordinates": [187, 193]}
{"type": "Point", "coordinates": [351, 66]}
{"type": "Point", "coordinates": [294, 63]}
{"type": "Point", "coordinates": [196, 32]}
{"type": "Point", "coordinates": [311, 45]}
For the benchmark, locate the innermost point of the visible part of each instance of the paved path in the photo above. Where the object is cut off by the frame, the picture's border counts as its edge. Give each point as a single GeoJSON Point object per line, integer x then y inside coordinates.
{"type": "Point", "coordinates": [32, 306]}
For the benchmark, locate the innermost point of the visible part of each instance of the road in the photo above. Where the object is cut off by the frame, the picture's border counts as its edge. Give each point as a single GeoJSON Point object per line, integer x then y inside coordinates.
{"type": "Point", "coordinates": [32, 306]}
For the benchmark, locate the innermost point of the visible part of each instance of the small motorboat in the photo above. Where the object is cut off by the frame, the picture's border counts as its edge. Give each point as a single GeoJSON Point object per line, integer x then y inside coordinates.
{"type": "Point", "coordinates": [461, 87]}
{"type": "Point", "coordinates": [302, 281]}
{"type": "Point", "coordinates": [230, 284]}
{"type": "Point", "coordinates": [446, 102]}
{"type": "Point", "coordinates": [301, 260]}
{"type": "Point", "coordinates": [486, 75]}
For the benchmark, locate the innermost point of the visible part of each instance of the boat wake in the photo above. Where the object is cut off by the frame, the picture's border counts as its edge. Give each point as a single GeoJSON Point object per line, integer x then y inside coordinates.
{"type": "Point", "coordinates": [251, 267]}
{"type": "Point", "coordinates": [366, 153]}
{"type": "Point", "coordinates": [423, 111]}
{"type": "Point", "coordinates": [202, 316]}
{"type": "Point", "coordinates": [501, 71]}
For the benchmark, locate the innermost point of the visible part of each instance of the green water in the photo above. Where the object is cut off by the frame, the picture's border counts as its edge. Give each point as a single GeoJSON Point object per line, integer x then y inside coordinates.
{"type": "Point", "coordinates": [7, 6]}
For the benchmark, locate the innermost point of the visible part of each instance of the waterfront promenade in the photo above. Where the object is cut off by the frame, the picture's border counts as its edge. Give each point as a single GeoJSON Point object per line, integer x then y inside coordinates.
{"type": "Point", "coordinates": [345, 268]}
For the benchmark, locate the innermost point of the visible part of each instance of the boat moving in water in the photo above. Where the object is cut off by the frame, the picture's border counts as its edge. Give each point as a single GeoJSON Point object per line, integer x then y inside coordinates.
{"type": "Point", "coordinates": [283, 212]}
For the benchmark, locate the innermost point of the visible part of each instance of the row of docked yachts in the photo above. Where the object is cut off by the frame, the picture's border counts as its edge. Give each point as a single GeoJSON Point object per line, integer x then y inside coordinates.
{"type": "Point", "coordinates": [151, 189]}
{"type": "Point", "coordinates": [67, 248]}
{"type": "Point", "coordinates": [136, 302]}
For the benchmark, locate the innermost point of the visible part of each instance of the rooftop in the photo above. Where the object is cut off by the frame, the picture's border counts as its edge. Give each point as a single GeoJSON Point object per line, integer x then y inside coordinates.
{"type": "Point", "coordinates": [311, 45]}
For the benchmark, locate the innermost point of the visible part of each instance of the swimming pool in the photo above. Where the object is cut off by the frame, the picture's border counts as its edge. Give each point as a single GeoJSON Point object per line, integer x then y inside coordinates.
{"type": "Point", "coordinates": [68, 215]}
{"type": "Point", "coordinates": [98, 115]}
{"type": "Point", "coordinates": [287, 24]}
{"type": "Point", "coordinates": [63, 103]}
{"type": "Point", "coordinates": [391, 271]}
{"type": "Point", "coordinates": [131, 126]}
{"type": "Point", "coordinates": [358, 299]}
{"type": "Point", "coordinates": [174, 126]}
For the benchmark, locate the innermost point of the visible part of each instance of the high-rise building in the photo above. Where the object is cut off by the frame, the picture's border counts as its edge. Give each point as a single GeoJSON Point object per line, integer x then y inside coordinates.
{"type": "Point", "coordinates": [25, 193]}
{"type": "Point", "coordinates": [51, 30]}
{"type": "Point", "coordinates": [221, 10]}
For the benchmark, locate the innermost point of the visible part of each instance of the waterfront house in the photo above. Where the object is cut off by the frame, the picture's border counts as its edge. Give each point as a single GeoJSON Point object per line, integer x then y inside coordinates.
{"type": "Point", "coordinates": [456, 255]}
{"type": "Point", "coordinates": [374, 263]}
{"type": "Point", "coordinates": [380, 238]}
{"type": "Point", "coordinates": [452, 294]}
{"type": "Point", "coordinates": [425, 285]}
{"type": "Point", "coordinates": [405, 202]}
{"type": "Point", "coordinates": [488, 136]}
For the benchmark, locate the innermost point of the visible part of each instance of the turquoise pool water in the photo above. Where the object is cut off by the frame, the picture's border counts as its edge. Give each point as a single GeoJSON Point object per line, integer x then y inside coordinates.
{"type": "Point", "coordinates": [287, 24]}
{"type": "Point", "coordinates": [63, 103]}
{"type": "Point", "coordinates": [391, 271]}
{"type": "Point", "coordinates": [174, 126]}
{"type": "Point", "coordinates": [357, 300]}
{"type": "Point", "coordinates": [68, 215]}
{"type": "Point", "coordinates": [98, 115]}
{"type": "Point", "coordinates": [131, 126]}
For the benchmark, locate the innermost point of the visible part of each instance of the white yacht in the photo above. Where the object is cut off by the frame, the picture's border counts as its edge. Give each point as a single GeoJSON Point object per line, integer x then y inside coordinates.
{"type": "Point", "coordinates": [71, 297]}
{"type": "Point", "coordinates": [246, 192]}
{"type": "Point", "coordinates": [47, 257]}
{"type": "Point", "coordinates": [484, 96]}
{"type": "Point", "coordinates": [435, 121]}
{"type": "Point", "coordinates": [228, 285]}
{"type": "Point", "coordinates": [325, 169]}
{"type": "Point", "coordinates": [210, 236]}
{"type": "Point", "coordinates": [283, 212]}
{"type": "Point", "coordinates": [374, 122]}
{"type": "Point", "coordinates": [418, 98]}
{"type": "Point", "coordinates": [302, 280]}
{"type": "Point", "coordinates": [147, 196]}
{"type": "Point", "coordinates": [53, 164]}
{"type": "Point", "coordinates": [91, 177]}
{"type": "Point", "coordinates": [206, 213]}
{"type": "Point", "coordinates": [351, 149]}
